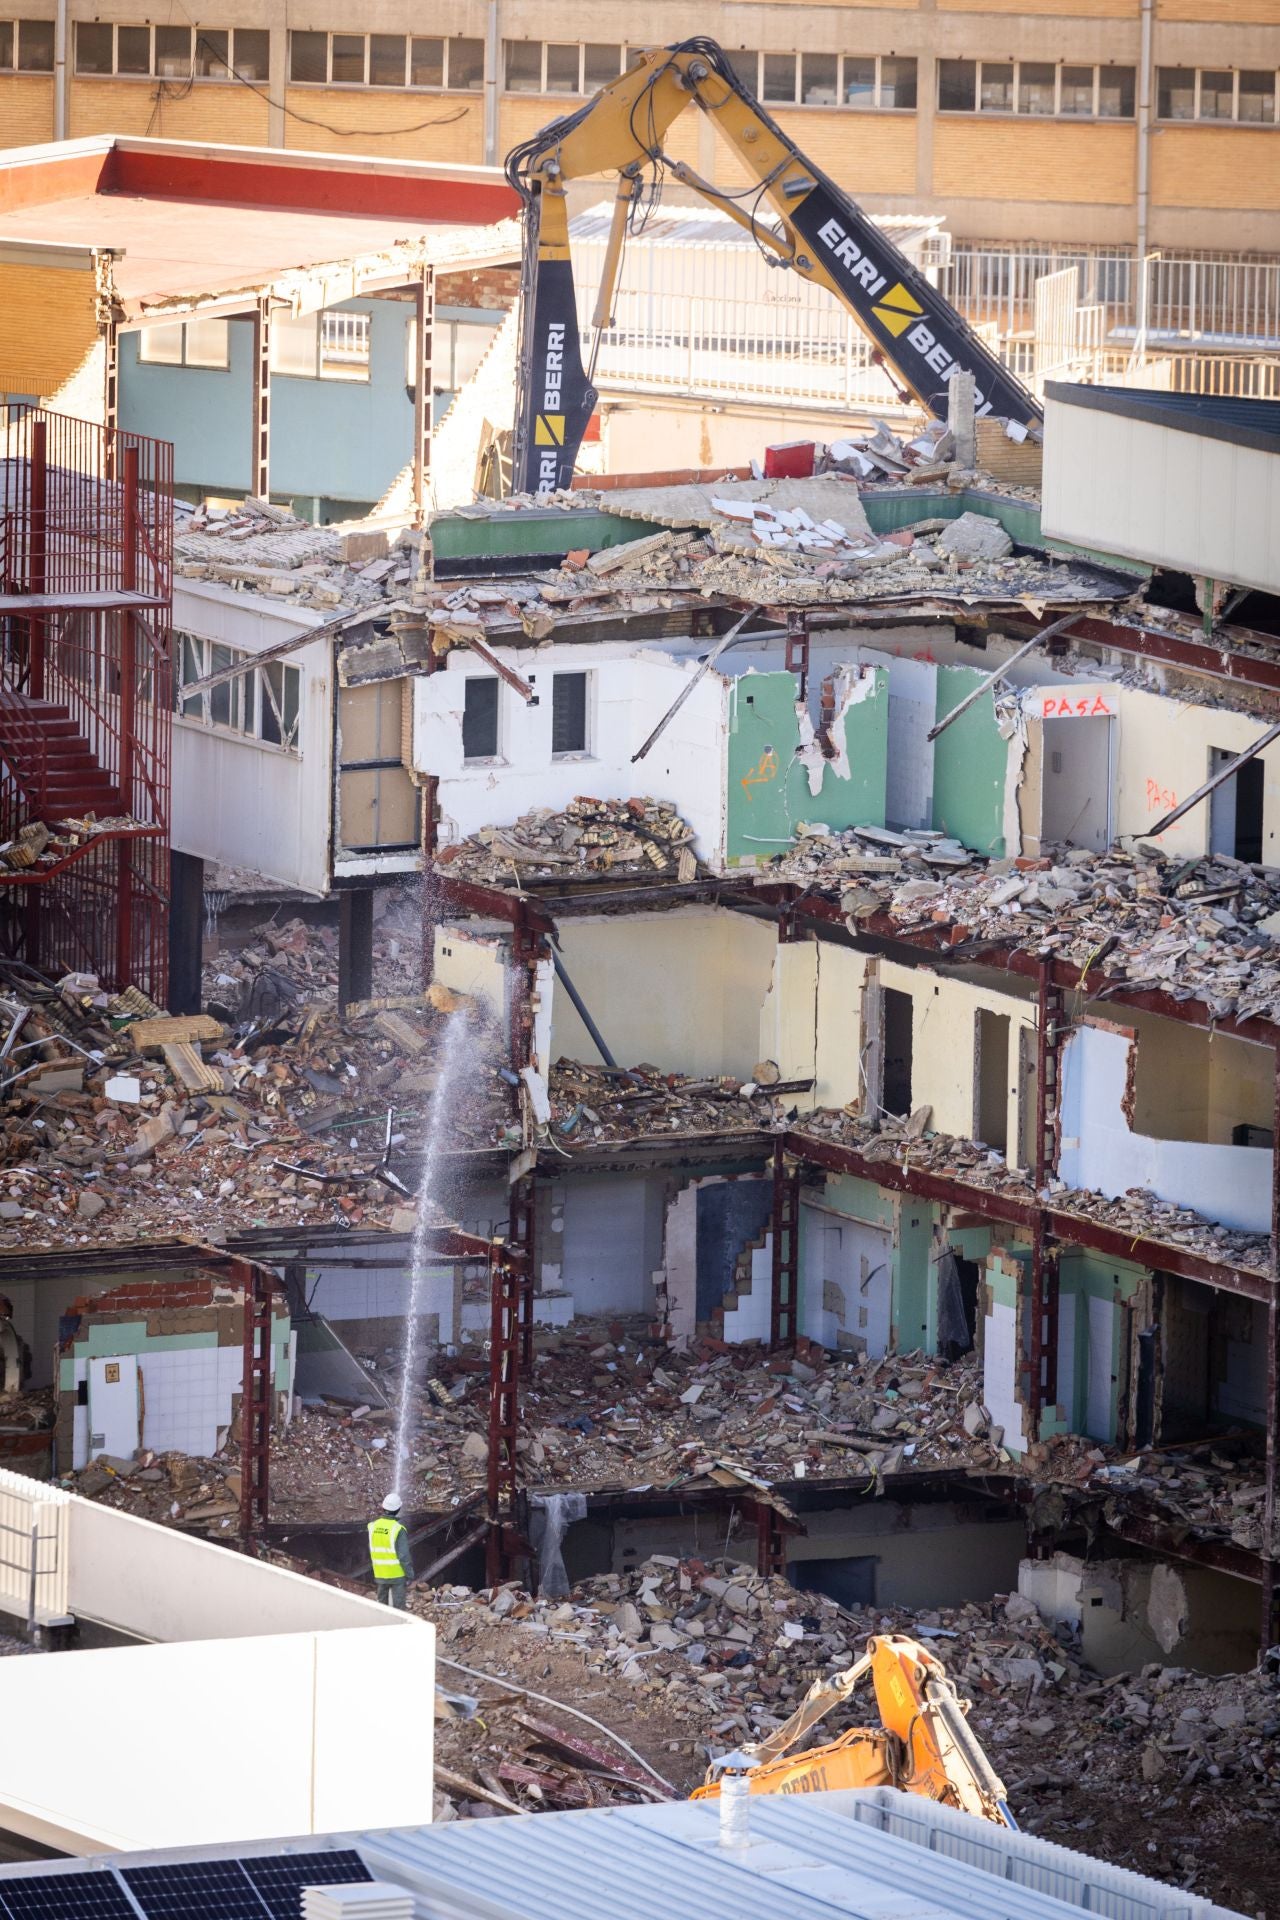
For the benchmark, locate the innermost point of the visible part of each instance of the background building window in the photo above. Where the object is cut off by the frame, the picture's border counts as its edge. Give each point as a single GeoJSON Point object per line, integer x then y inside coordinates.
{"type": "Point", "coordinates": [1215, 93]}
{"type": "Point", "coordinates": [263, 703]}
{"type": "Point", "coordinates": [426, 63]}
{"type": "Point", "coordinates": [251, 53]}
{"type": "Point", "coordinates": [897, 83]}
{"type": "Point", "coordinates": [1036, 86]}
{"type": "Point", "coordinates": [333, 345]}
{"type": "Point", "coordinates": [35, 46]}
{"type": "Point", "coordinates": [173, 53]}
{"type": "Point", "coordinates": [1257, 98]}
{"type": "Point", "coordinates": [466, 66]}
{"type": "Point", "coordinates": [195, 343]}
{"type": "Point", "coordinates": [388, 59]}
{"type": "Point", "coordinates": [778, 78]}
{"type": "Point", "coordinates": [1115, 93]}
{"type": "Point", "coordinates": [309, 58]}
{"type": "Point", "coordinates": [563, 64]}
{"type": "Point", "coordinates": [601, 63]}
{"type": "Point", "coordinates": [957, 85]}
{"type": "Point", "coordinates": [568, 713]}
{"type": "Point", "coordinates": [819, 79]}
{"type": "Point", "coordinates": [213, 53]}
{"type": "Point", "coordinates": [95, 47]}
{"type": "Point", "coordinates": [480, 719]}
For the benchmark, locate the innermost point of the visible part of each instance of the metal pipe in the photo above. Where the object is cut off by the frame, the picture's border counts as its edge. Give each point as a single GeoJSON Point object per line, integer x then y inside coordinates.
{"type": "Point", "coordinates": [1144, 135]}
{"type": "Point", "coordinates": [492, 55]}
{"type": "Point", "coordinates": [1038, 639]}
{"type": "Point", "coordinates": [60, 71]}
{"type": "Point", "coordinates": [1223, 773]}
{"type": "Point", "coordinates": [580, 1007]}
{"type": "Point", "coordinates": [685, 691]}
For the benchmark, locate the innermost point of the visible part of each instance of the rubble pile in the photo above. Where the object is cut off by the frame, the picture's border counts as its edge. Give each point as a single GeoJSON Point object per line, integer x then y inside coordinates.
{"type": "Point", "coordinates": [1173, 1773]}
{"type": "Point", "coordinates": [38, 845]}
{"type": "Point", "coordinates": [611, 1406]}
{"type": "Point", "coordinates": [267, 549]}
{"type": "Point", "coordinates": [613, 1104]}
{"type": "Point", "coordinates": [623, 838]}
{"type": "Point", "coordinates": [1216, 1488]}
{"type": "Point", "coordinates": [1137, 1212]}
{"type": "Point", "coordinates": [1197, 928]}
{"type": "Point", "coordinates": [123, 1123]}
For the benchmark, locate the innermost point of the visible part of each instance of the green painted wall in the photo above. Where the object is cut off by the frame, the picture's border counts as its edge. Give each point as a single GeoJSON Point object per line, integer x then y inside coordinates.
{"type": "Point", "coordinates": [769, 788]}
{"type": "Point", "coordinates": [915, 1292]}
{"type": "Point", "coordinates": [1082, 1276]}
{"type": "Point", "coordinates": [970, 766]}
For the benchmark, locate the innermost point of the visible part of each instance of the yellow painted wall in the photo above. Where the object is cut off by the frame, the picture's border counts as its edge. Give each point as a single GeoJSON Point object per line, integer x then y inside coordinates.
{"type": "Point", "coordinates": [47, 326]}
{"type": "Point", "coordinates": [1162, 756]}
{"type": "Point", "coordinates": [943, 1048]}
{"type": "Point", "coordinates": [990, 159]}
{"type": "Point", "coordinates": [418, 126]}
{"type": "Point", "coordinates": [1194, 1085]}
{"type": "Point", "coordinates": [682, 990]}
{"type": "Point", "coordinates": [1063, 9]}
{"type": "Point", "coordinates": [1216, 167]}
{"type": "Point", "coordinates": [210, 112]}
{"type": "Point", "coordinates": [26, 109]}
{"type": "Point", "coordinates": [867, 152]}
{"type": "Point", "coordinates": [788, 1015]}
{"type": "Point", "coordinates": [1254, 13]}
{"type": "Point", "coordinates": [842, 976]}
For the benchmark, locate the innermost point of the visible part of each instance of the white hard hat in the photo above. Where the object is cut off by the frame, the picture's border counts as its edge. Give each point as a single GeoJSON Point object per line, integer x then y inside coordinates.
{"type": "Point", "coordinates": [392, 1503]}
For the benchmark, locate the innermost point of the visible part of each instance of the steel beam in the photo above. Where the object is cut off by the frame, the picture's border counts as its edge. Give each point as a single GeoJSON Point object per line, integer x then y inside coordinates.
{"type": "Point", "coordinates": [260, 443]}
{"type": "Point", "coordinates": [424, 306]}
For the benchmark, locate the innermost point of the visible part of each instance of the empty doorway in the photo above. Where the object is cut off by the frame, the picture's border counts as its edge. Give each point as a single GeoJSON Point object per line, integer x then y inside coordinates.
{"type": "Point", "coordinates": [896, 1094]}
{"type": "Point", "coordinates": [1235, 808]}
{"type": "Point", "coordinates": [1075, 786]}
{"type": "Point", "coordinates": [991, 1079]}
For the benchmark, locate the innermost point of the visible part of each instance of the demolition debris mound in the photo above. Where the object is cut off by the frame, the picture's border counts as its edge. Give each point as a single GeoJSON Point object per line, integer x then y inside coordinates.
{"type": "Point", "coordinates": [1171, 1773]}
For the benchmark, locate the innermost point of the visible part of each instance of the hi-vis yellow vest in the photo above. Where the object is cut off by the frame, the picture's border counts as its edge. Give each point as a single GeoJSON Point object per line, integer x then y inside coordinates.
{"type": "Point", "coordinates": [384, 1533]}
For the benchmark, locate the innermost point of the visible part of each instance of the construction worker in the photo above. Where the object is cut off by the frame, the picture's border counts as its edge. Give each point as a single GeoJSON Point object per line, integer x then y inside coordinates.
{"type": "Point", "coordinates": [389, 1552]}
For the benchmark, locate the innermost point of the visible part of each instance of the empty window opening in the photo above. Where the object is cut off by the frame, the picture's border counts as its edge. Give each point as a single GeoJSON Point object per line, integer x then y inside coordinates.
{"type": "Point", "coordinates": [569, 713]}
{"type": "Point", "coordinates": [896, 1096]}
{"type": "Point", "coordinates": [1235, 808]}
{"type": "Point", "coordinates": [1028, 1073]}
{"type": "Point", "coordinates": [850, 1583]}
{"type": "Point", "coordinates": [991, 1079]}
{"type": "Point", "coordinates": [480, 720]}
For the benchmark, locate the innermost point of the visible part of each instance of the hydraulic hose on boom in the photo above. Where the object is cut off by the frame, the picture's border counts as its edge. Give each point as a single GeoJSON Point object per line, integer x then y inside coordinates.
{"type": "Point", "coordinates": [817, 231]}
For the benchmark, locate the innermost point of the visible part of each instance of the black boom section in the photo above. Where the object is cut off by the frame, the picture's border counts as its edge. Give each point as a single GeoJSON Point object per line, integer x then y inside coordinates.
{"type": "Point", "coordinates": [556, 399]}
{"type": "Point", "coordinates": [918, 331]}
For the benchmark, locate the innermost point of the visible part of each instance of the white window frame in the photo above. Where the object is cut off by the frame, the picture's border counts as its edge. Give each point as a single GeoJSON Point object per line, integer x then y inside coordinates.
{"type": "Point", "coordinates": [409, 85]}
{"type": "Point", "coordinates": [587, 750]}
{"type": "Point", "coordinates": [1017, 112]}
{"type": "Point", "coordinates": [221, 78]}
{"type": "Point", "coordinates": [558, 93]}
{"type": "Point", "coordinates": [363, 370]}
{"type": "Point", "coordinates": [498, 757]}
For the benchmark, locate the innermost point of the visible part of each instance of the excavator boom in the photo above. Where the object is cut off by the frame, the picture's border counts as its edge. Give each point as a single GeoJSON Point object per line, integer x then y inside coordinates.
{"type": "Point", "coordinates": [925, 1745]}
{"type": "Point", "coordinates": [818, 231]}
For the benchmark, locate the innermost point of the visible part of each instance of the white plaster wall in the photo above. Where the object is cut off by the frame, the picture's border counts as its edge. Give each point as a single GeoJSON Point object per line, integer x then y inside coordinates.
{"type": "Point", "coordinates": [681, 989]}
{"type": "Point", "coordinates": [680, 1265]}
{"type": "Point", "coordinates": [1000, 1365]}
{"type": "Point", "coordinates": [1101, 1153]}
{"type": "Point", "coordinates": [610, 1243]}
{"type": "Point", "coordinates": [1162, 754]}
{"type": "Point", "coordinates": [631, 688]}
{"type": "Point", "coordinates": [752, 1317]}
{"type": "Point", "coordinates": [241, 801]}
{"type": "Point", "coordinates": [1158, 494]}
{"type": "Point", "coordinates": [943, 1056]}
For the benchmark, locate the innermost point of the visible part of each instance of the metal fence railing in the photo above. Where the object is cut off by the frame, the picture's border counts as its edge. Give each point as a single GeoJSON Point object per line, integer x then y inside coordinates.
{"type": "Point", "coordinates": [34, 1571]}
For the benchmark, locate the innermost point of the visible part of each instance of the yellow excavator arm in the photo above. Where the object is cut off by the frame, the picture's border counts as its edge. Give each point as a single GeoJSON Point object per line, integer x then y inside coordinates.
{"type": "Point", "coordinates": [925, 1745]}
{"type": "Point", "coordinates": [817, 232]}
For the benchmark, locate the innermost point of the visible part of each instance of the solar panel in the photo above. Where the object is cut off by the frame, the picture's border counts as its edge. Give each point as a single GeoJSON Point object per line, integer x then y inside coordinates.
{"type": "Point", "coordinates": [194, 1890]}
{"type": "Point", "coordinates": [280, 1877]}
{"type": "Point", "coordinates": [65, 1896]}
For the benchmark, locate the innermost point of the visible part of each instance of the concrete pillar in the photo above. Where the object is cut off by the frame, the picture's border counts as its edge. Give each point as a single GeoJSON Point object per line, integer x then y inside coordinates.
{"type": "Point", "coordinates": [355, 945]}
{"type": "Point", "coordinates": [186, 930]}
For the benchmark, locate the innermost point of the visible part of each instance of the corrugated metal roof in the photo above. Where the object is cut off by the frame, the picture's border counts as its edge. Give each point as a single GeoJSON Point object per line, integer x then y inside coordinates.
{"type": "Point", "coordinates": [809, 1858]}
{"type": "Point", "coordinates": [690, 227]}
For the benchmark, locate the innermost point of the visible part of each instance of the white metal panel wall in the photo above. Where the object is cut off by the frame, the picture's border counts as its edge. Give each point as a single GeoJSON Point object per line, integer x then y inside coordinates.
{"type": "Point", "coordinates": [25, 1505]}
{"type": "Point", "coordinates": [1156, 494]}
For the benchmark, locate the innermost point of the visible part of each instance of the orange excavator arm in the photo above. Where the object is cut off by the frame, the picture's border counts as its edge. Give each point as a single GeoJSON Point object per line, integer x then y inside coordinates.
{"type": "Point", "coordinates": [925, 1745]}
